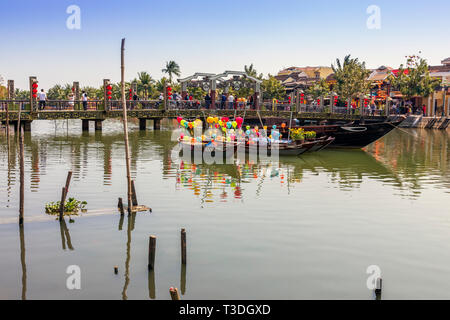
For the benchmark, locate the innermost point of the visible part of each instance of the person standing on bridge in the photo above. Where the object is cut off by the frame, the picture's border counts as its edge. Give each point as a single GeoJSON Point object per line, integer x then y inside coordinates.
{"type": "Point", "coordinates": [84, 98]}
{"type": "Point", "coordinates": [223, 101]}
{"type": "Point", "coordinates": [230, 101]}
{"type": "Point", "coordinates": [42, 99]}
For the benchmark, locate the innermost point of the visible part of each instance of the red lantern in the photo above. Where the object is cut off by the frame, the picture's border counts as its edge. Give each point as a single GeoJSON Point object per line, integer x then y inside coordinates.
{"type": "Point", "coordinates": [34, 85]}
{"type": "Point", "coordinates": [34, 95]}
{"type": "Point", "coordinates": [318, 101]}
{"type": "Point", "coordinates": [109, 87]}
{"type": "Point", "coordinates": [336, 100]}
{"type": "Point", "coordinates": [73, 89]}
{"type": "Point", "coordinates": [109, 97]}
{"type": "Point", "coordinates": [34, 90]}
{"type": "Point", "coordinates": [109, 93]}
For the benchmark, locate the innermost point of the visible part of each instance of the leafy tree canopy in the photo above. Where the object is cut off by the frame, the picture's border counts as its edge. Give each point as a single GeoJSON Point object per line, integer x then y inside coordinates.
{"type": "Point", "coordinates": [414, 78]}
{"type": "Point", "coordinates": [351, 77]}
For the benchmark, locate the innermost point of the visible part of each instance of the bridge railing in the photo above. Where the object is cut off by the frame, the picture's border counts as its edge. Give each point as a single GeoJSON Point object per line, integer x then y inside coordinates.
{"type": "Point", "coordinates": [202, 104]}
{"type": "Point", "coordinates": [15, 105]}
{"type": "Point", "coordinates": [135, 104]}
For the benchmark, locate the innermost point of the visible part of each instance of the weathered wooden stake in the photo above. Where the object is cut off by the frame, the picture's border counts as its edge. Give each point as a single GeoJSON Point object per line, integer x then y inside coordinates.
{"type": "Point", "coordinates": [22, 178]}
{"type": "Point", "coordinates": [18, 121]}
{"type": "Point", "coordinates": [7, 126]}
{"type": "Point", "coordinates": [61, 204]}
{"type": "Point", "coordinates": [69, 177]}
{"type": "Point", "coordinates": [133, 194]}
{"type": "Point", "coordinates": [64, 193]}
{"type": "Point", "coordinates": [174, 293]}
{"type": "Point", "coordinates": [183, 246]}
{"type": "Point", "coordinates": [116, 269]}
{"type": "Point", "coordinates": [378, 286]}
{"type": "Point", "coordinates": [151, 252]}
{"type": "Point", "coordinates": [120, 205]}
{"type": "Point", "coordinates": [125, 122]}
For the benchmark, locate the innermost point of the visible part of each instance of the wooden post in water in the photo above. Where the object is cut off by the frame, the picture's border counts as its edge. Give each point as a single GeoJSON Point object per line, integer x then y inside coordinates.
{"type": "Point", "coordinates": [65, 190]}
{"type": "Point", "coordinates": [22, 179]}
{"type": "Point", "coordinates": [7, 126]}
{"type": "Point", "coordinates": [125, 124]}
{"type": "Point", "coordinates": [61, 204]}
{"type": "Point", "coordinates": [378, 288]}
{"type": "Point", "coordinates": [116, 269]}
{"type": "Point", "coordinates": [174, 293]}
{"type": "Point", "coordinates": [133, 194]}
{"type": "Point", "coordinates": [120, 205]}
{"type": "Point", "coordinates": [69, 177]}
{"type": "Point", "coordinates": [183, 246]}
{"type": "Point", "coordinates": [151, 252]}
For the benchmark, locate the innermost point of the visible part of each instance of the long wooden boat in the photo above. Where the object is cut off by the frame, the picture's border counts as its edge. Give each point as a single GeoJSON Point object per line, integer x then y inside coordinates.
{"type": "Point", "coordinates": [289, 148]}
{"type": "Point", "coordinates": [352, 135]}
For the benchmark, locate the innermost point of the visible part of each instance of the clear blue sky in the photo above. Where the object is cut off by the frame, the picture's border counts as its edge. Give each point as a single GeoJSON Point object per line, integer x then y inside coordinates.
{"type": "Point", "coordinates": [210, 36]}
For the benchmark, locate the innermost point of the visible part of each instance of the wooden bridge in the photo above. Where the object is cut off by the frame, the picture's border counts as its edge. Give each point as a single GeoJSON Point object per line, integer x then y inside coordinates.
{"type": "Point", "coordinates": [98, 116]}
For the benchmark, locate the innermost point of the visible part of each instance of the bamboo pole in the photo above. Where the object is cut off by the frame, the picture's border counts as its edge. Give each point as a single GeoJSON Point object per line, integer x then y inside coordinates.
{"type": "Point", "coordinates": [18, 121]}
{"type": "Point", "coordinates": [7, 126]}
{"type": "Point", "coordinates": [125, 123]}
{"type": "Point", "coordinates": [22, 179]}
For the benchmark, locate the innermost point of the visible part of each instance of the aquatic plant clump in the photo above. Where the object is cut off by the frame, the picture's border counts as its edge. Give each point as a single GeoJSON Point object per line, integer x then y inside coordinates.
{"type": "Point", "coordinates": [71, 206]}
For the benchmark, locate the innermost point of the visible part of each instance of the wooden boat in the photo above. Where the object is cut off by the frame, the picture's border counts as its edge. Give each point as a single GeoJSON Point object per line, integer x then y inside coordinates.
{"type": "Point", "coordinates": [353, 135]}
{"type": "Point", "coordinates": [296, 148]}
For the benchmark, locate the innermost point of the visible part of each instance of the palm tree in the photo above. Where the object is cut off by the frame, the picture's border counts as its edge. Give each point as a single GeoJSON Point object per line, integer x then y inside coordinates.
{"type": "Point", "coordinates": [351, 77]}
{"type": "Point", "coordinates": [145, 83]}
{"type": "Point", "coordinates": [251, 71]}
{"type": "Point", "coordinates": [172, 68]}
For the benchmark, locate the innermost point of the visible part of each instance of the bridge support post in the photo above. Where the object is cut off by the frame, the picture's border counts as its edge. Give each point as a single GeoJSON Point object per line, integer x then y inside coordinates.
{"type": "Point", "coordinates": [27, 126]}
{"type": "Point", "coordinates": [157, 124]}
{"type": "Point", "coordinates": [142, 124]}
{"type": "Point", "coordinates": [85, 125]}
{"type": "Point", "coordinates": [98, 125]}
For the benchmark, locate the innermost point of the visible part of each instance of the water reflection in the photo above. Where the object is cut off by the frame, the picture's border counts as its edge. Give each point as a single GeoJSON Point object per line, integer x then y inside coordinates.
{"type": "Point", "coordinates": [23, 262]}
{"type": "Point", "coordinates": [65, 235]}
{"type": "Point", "coordinates": [130, 227]}
{"type": "Point", "coordinates": [409, 161]}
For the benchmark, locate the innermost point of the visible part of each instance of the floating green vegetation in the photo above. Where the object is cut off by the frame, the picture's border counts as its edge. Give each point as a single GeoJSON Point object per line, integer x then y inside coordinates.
{"type": "Point", "coordinates": [71, 207]}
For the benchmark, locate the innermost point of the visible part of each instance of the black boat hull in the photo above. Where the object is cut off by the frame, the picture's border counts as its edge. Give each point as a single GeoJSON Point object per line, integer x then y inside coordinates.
{"type": "Point", "coordinates": [360, 136]}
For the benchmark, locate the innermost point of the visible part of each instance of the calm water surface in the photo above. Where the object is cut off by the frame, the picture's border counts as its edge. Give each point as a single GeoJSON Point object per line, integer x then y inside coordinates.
{"type": "Point", "coordinates": [302, 228]}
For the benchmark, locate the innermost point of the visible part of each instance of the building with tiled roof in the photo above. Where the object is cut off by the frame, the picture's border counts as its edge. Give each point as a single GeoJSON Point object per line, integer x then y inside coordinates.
{"type": "Point", "coordinates": [302, 77]}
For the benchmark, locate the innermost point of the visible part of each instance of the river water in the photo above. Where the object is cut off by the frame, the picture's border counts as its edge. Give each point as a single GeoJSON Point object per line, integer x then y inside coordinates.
{"type": "Point", "coordinates": [300, 228]}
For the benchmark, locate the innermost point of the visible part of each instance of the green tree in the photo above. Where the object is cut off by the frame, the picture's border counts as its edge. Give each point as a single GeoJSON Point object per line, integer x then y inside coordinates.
{"type": "Point", "coordinates": [22, 94]}
{"type": "Point", "coordinates": [161, 83]}
{"type": "Point", "coordinates": [251, 71]}
{"type": "Point", "coordinates": [197, 93]}
{"type": "Point", "coordinates": [172, 68]}
{"type": "Point", "coordinates": [414, 78]}
{"type": "Point", "coordinates": [272, 88]}
{"type": "Point", "coordinates": [59, 92]}
{"type": "Point", "coordinates": [319, 89]}
{"type": "Point", "coordinates": [351, 78]}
